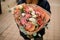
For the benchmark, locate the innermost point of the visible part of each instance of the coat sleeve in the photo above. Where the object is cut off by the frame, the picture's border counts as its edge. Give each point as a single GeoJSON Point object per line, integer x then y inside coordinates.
{"type": "Point", "coordinates": [20, 1]}
{"type": "Point", "coordinates": [45, 4]}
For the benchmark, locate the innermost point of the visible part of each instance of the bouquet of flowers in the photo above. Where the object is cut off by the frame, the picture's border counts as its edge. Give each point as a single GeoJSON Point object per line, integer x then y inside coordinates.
{"type": "Point", "coordinates": [30, 18]}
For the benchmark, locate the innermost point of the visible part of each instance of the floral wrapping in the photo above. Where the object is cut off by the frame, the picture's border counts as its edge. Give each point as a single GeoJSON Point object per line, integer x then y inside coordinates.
{"type": "Point", "coordinates": [30, 18]}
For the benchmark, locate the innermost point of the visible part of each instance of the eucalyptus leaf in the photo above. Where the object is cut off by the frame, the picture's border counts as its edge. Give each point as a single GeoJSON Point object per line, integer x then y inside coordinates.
{"type": "Point", "coordinates": [23, 30]}
{"type": "Point", "coordinates": [34, 34]}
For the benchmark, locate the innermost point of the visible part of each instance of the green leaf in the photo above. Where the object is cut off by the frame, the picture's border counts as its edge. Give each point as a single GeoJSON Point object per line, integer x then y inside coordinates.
{"type": "Point", "coordinates": [34, 34]}
{"type": "Point", "coordinates": [23, 30]}
{"type": "Point", "coordinates": [22, 10]}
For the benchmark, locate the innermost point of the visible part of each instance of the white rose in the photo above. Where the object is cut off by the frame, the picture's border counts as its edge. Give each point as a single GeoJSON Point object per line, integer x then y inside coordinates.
{"type": "Point", "coordinates": [20, 6]}
{"type": "Point", "coordinates": [34, 16]}
{"type": "Point", "coordinates": [23, 14]}
{"type": "Point", "coordinates": [33, 13]}
{"type": "Point", "coordinates": [32, 20]}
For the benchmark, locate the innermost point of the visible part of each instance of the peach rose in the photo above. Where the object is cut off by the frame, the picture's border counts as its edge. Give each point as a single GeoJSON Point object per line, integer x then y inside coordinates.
{"type": "Point", "coordinates": [30, 26]}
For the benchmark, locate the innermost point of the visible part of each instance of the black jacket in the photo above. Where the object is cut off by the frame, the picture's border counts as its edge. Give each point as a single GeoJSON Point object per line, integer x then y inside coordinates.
{"type": "Point", "coordinates": [44, 4]}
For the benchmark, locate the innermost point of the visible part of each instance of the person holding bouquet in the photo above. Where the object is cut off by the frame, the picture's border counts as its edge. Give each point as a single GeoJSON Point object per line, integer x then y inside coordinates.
{"type": "Point", "coordinates": [44, 4]}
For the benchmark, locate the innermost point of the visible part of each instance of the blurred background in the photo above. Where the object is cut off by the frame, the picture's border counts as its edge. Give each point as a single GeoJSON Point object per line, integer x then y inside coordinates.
{"type": "Point", "coordinates": [9, 30]}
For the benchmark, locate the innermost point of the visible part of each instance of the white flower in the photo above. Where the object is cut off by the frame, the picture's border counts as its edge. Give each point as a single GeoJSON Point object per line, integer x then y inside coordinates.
{"type": "Point", "coordinates": [20, 6]}
{"type": "Point", "coordinates": [23, 14]}
{"type": "Point", "coordinates": [33, 12]}
{"type": "Point", "coordinates": [32, 20]}
{"type": "Point", "coordinates": [34, 16]}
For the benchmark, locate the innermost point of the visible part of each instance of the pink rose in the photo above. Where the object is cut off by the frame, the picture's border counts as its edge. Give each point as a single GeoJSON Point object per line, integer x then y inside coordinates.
{"type": "Point", "coordinates": [38, 13]}
{"type": "Point", "coordinates": [27, 10]}
{"type": "Point", "coordinates": [27, 16]}
{"type": "Point", "coordinates": [39, 21]}
{"type": "Point", "coordinates": [23, 21]}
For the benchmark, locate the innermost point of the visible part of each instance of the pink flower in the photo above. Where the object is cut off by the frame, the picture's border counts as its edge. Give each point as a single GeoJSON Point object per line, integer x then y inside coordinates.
{"type": "Point", "coordinates": [27, 16]}
{"type": "Point", "coordinates": [38, 13]}
{"type": "Point", "coordinates": [39, 21]}
{"type": "Point", "coordinates": [28, 25]}
{"type": "Point", "coordinates": [23, 21]}
{"type": "Point", "coordinates": [27, 11]}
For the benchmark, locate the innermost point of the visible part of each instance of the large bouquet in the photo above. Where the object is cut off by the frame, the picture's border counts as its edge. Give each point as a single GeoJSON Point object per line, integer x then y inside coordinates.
{"type": "Point", "coordinates": [30, 18]}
